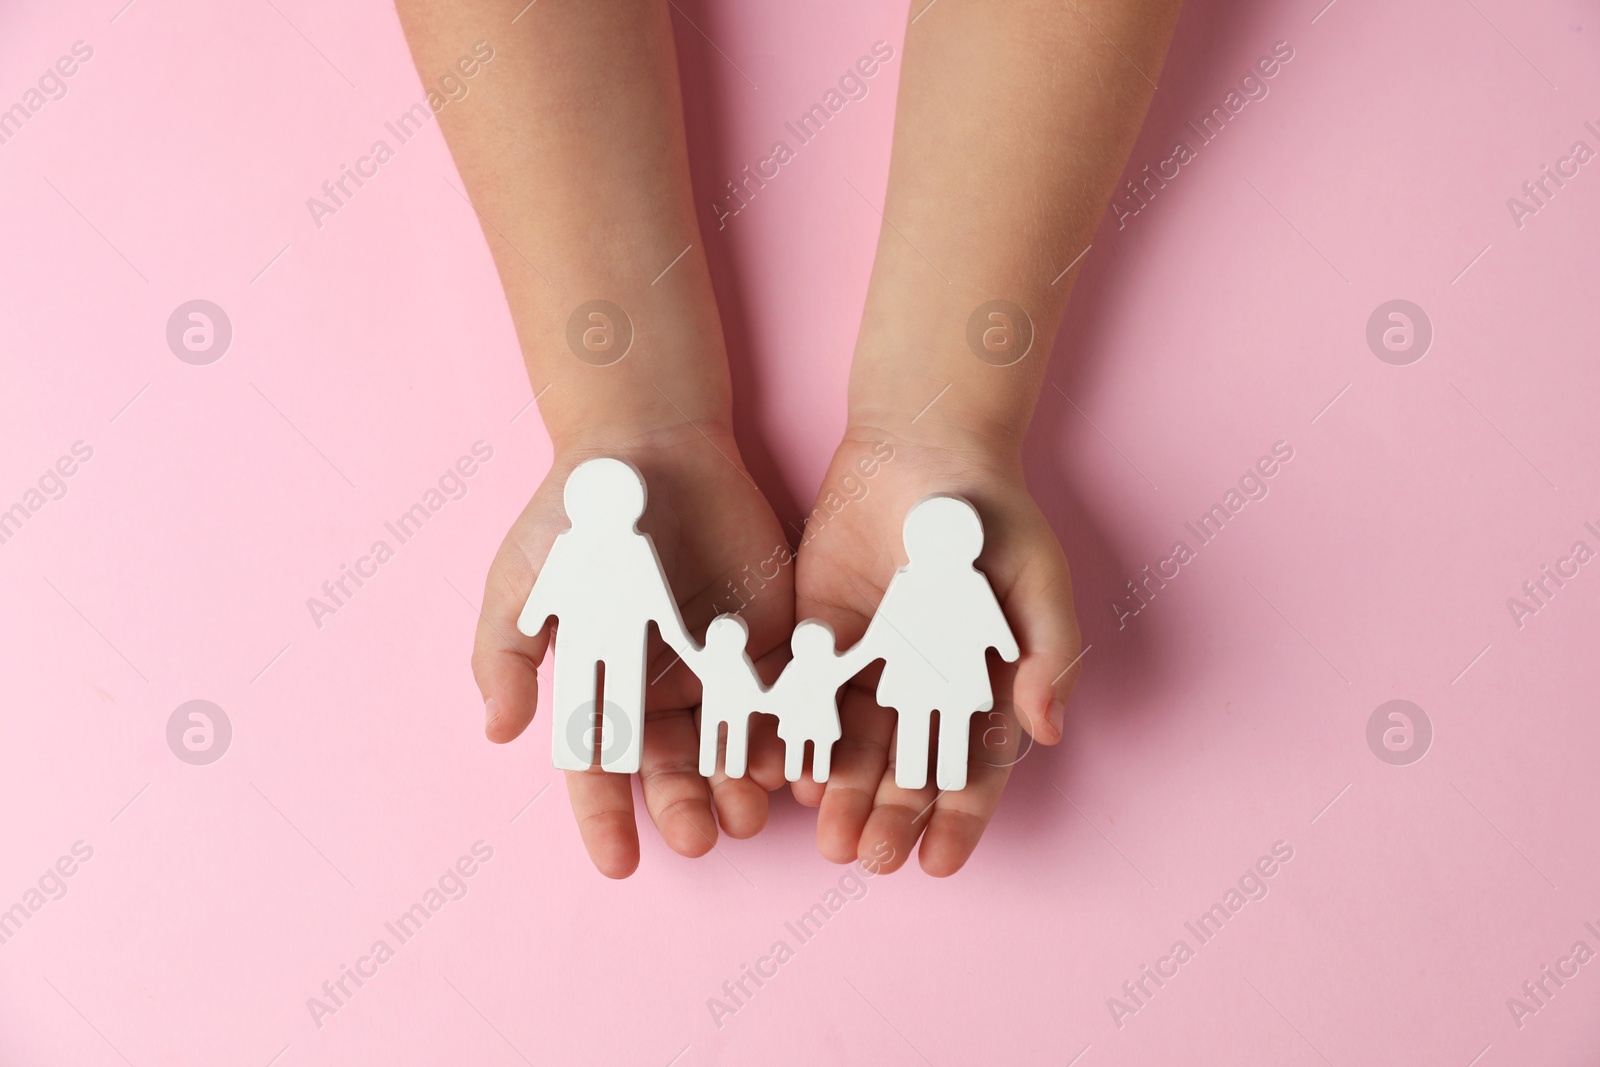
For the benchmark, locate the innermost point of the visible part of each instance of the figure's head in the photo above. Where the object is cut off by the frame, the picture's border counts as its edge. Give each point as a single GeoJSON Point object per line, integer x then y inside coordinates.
{"type": "Point", "coordinates": [604, 494]}
{"type": "Point", "coordinates": [943, 529]}
{"type": "Point", "coordinates": [811, 639]}
{"type": "Point", "coordinates": [727, 633]}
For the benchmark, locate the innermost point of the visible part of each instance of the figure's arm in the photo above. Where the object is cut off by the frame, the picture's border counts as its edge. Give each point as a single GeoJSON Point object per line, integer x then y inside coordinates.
{"type": "Point", "coordinates": [873, 643]}
{"type": "Point", "coordinates": [664, 611]}
{"type": "Point", "coordinates": [756, 691]}
{"type": "Point", "coordinates": [544, 599]}
{"type": "Point", "coordinates": [853, 660]}
{"type": "Point", "coordinates": [1001, 639]}
{"type": "Point", "coordinates": [675, 635]}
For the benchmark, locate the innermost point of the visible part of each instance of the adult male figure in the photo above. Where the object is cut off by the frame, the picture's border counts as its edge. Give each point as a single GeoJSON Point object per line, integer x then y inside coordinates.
{"type": "Point", "coordinates": [603, 582]}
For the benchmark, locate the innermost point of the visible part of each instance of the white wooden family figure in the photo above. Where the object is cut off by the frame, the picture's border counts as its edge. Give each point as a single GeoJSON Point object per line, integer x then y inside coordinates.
{"type": "Point", "coordinates": [604, 584]}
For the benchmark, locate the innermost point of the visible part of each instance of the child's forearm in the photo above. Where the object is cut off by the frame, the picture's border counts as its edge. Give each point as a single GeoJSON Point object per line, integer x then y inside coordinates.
{"type": "Point", "coordinates": [1014, 121]}
{"type": "Point", "coordinates": [571, 145]}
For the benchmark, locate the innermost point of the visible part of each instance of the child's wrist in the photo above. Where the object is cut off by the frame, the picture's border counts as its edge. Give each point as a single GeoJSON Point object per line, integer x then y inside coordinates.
{"type": "Point", "coordinates": [920, 381]}
{"type": "Point", "coordinates": [670, 378]}
{"type": "Point", "coordinates": [623, 429]}
{"type": "Point", "coordinates": [989, 439]}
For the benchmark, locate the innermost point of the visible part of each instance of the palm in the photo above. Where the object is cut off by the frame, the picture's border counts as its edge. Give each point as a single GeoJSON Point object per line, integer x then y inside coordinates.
{"type": "Point", "coordinates": [844, 566]}
{"type": "Point", "coordinates": [722, 550]}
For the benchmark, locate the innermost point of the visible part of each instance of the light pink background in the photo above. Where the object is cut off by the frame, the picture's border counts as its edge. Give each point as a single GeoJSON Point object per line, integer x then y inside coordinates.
{"type": "Point", "coordinates": [1223, 718]}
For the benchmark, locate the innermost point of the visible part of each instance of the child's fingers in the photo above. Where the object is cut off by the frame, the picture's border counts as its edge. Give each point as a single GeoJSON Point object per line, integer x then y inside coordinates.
{"type": "Point", "coordinates": [678, 799]}
{"type": "Point", "coordinates": [806, 789]}
{"type": "Point", "coordinates": [505, 661]}
{"type": "Point", "coordinates": [961, 816]}
{"type": "Point", "coordinates": [954, 831]}
{"type": "Point", "coordinates": [859, 759]}
{"type": "Point", "coordinates": [765, 763]}
{"type": "Point", "coordinates": [1040, 609]}
{"type": "Point", "coordinates": [893, 828]}
{"type": "Point", "coordinates": [603, 806]}
{"type": "Point", "coordinates": [741, 805]}
{"type": "Point", "coordinates": [897, 820]}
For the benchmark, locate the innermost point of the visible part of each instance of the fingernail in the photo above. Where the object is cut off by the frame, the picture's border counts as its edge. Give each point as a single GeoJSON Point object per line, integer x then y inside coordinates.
{"type": "Point", "coordinates": [491, 712]}
{"type": "Point", "coordinates": [1056, 714]}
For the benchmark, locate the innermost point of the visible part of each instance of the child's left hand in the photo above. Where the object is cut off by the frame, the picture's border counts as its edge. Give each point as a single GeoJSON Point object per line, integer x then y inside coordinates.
{"type": "Point", "coordinates": [844, 566]}
{"type": "Point", "coordinates": [709, 523]}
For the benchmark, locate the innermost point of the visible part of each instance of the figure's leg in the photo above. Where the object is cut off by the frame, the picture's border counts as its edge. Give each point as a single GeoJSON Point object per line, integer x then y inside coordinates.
{"type": "Point", "coordinates": [622, 732]}
{"type": "Point", "coordinates": [794, 756]}
{"type": "Point", "coordinates": [911, 749]}
{"type": "Point", "coordinates": [955, 733]}
{"type": "Point", "coordinates": [709, 723]}
{"type": "Point", "coordinates": [572, 712]}
{"type": "Point", "coordinates": [822, 756]}
{"type": "Point", "coordinates": [738, 745]}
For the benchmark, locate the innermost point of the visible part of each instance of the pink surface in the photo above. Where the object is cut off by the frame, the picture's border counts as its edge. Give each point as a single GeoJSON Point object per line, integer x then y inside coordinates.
{"type": "Point", "coordinates": [1231, 713]}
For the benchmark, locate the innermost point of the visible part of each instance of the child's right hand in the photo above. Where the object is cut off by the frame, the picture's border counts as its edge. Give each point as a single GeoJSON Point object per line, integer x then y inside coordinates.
{"type": "Point", "coordinates": [844, 567]}
{"type": "Point", "coordinates": [709, 522]}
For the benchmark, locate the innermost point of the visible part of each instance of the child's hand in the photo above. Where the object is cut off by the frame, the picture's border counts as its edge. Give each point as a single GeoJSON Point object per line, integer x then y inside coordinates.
{"type": "Point", "coordinates": [708, 522]}
{"type": "Point", "coordinates": [844, 566]}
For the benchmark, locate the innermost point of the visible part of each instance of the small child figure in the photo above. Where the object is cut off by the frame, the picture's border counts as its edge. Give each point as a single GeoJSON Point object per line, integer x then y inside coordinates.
{"type": "Point", "coordinates": [732, 691]}
{"type": "Point", "coordinates": [805, 698]}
